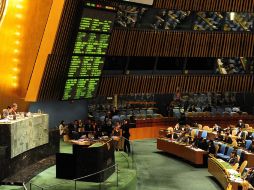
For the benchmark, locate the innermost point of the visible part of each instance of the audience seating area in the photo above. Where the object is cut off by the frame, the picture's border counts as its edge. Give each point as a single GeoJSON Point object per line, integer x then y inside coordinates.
{"type": "Point", "coordinates": [158, 19]}
{"type": "Point", "coordinates": [221, 104]}
{"type": "Point", "coordinates": [231, 66]}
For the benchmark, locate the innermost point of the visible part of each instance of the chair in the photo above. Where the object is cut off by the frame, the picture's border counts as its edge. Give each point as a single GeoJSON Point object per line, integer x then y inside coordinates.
{"type": "Point", "coordinates": [193, 133]}
{"type": "Point", "coordinates": [170, 130]}
{"type": "Point", "coordinates": [245, 133]}
{"type": "Point", "coordinates": [222, 150]}
{"type": "Point", "coordinates": [115, 118]}
{"type": "Point", "coordinates": [206, 128]}
{"type": "Point", "coordinates": [216, 148]}
{"type": "Point", "coordinates": [66, 138]}
{"type": "Point", "coordinates": [229, 187]}
{"type": "Point", "coordinates": [248, 144]}
{"type": "Point", "coordinates": [227, 156]}
{"type": "Point", "coordinates": [238, 153]}
{"type": "Point", "coordinates": [235, 167]}
{"type": "Point", "coordinates": [238, 158]}
{"type": "Point", "coordinates": [189, 114]}
{"type": "Point", "coordinates": [245, 185]}
{"type": "Point", "coordinates": [234, 143]}
{"type": "Point", "coordinates": [234, 132]}
{"type": "Point", "coordinates": [243, 166]}
{"type": "Point", "coordinates": [204, 134]}
{"type": "Point", "coordinates": [197, 132]}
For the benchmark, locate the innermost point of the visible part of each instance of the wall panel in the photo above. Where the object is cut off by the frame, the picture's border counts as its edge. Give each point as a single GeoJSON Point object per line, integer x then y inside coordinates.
{"type": "Point", "coordinates": [126, 84]}
{"type": "Point", "coordinates": [135, 42]}
{"type": "Point", "coordinates": [207, 5]}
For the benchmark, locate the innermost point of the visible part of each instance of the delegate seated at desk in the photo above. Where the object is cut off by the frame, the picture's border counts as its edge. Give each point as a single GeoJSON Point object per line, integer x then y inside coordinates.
{"type": "Point", "coordinates": [240, 124]}
{"type": "Point", "coordinates": [227, 139]}
{"type": "Point", "coordinates": [6, 112]}
{"type": "Point", "coordinates": [233, 158]}
{"type": "Point", "coordinates": [14, 109]}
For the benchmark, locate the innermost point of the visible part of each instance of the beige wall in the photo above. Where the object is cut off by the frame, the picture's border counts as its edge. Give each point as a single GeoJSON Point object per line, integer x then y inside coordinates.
{"type": "Point", "coordinates": [45, 49]}
{"type": "Point", "coordinates": [21, 33]}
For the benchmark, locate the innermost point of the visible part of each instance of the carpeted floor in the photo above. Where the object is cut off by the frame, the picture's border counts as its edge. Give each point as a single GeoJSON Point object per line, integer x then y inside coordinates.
{"type": "Point", "coordinates": [160, 171]}
{"type": "Point", "coordinates": [155, 171]}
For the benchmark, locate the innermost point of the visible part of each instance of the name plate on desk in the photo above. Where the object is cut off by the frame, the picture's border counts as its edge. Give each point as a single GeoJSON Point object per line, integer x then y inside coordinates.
{"type": "Point", "coordinates": [28, 133]}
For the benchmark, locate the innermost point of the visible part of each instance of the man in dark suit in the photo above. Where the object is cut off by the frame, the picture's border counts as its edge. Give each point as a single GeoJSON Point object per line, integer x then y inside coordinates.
{"type": "Point", "coordinates": [227, 139]}
{"type": "Point", "coordinates": [240, 124]}
{"type": "Point", "coordinates": [126, 135]}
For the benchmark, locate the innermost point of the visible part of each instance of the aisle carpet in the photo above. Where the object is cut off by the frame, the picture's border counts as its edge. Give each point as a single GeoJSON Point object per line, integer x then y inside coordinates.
{"type": "Point", "coordinates": [160, 171]}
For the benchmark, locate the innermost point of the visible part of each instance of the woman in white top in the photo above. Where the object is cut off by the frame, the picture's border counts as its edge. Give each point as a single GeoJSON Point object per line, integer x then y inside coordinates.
{"type": "Point", "coordinates": [61, 128]}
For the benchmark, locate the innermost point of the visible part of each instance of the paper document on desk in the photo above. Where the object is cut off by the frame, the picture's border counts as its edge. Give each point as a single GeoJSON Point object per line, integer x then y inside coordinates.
{"type": "Point", "coordinates": [232, 171]}
{"type": "Point", "coordinates": [196, 149]}
{"type": "Point", "coordinates": [220, 160]}
{"type": "Point", "coordinates": [236, 179]}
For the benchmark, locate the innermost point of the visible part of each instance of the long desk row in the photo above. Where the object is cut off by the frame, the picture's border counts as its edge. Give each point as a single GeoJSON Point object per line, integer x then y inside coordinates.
{"type": "Point", "coordinates": [220, 169]}
{"type": "Point", "coordinates": [194, 155]}
{"type": "Point", "coordinates": [180, 149]}
{"type": "Point", "coordinates": [223, 121]}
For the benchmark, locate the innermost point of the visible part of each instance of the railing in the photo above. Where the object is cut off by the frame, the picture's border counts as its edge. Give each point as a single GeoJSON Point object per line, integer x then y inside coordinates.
{"type": "Point", "coordinates": [132, 152]}
{"type": "Point", "coordinates": [74, 182]}
{"type": "Point", "coordinates": [24, 185]}
{"type": "Point", "coordinates": [80, 178]}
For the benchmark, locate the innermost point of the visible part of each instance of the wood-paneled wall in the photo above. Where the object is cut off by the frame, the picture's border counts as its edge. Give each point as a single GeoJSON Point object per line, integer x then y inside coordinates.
{"type": "Point", "coordinates": [20, 36]}
{"type": "Point", "coordinates": [207, 5]}
{"type": "Point", "coordinates": [181, 44]}
{"type": "Point", "coordinates": [126, 84]}
{"type": "Point", "coordinates": [193, 5]}
{"type": "Point", "coordinates": [54, 76]}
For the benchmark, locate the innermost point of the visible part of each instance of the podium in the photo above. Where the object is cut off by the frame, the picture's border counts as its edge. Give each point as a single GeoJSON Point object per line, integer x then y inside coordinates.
{"type": "Point", "coordinates": [86, 160]}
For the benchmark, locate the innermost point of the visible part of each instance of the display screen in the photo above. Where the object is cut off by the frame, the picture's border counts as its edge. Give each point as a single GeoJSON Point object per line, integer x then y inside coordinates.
{"type": "Point", "coordinates": [99, 6]}
{"type": "Point", "coordinates": [91, 43]}
{"type": "Point", "coordinates": [85, 66]}
{"type": "Point", "coordinates": [97, 20]}
{"type": "Point", "coordinates": [80, 88]}
{"type": "Point", "coordinates": [88, 56]}
{"type": "Point", "coordinates": [146, 2]}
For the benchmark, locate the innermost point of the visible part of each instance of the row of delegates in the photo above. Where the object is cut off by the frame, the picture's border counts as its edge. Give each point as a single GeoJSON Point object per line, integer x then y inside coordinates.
{"type": "Point", "coordinates": [76, 129]}
{"type": "Point", "coordinates": [240, 125]}
{"type": "Point", "coordinates": [10, 110]}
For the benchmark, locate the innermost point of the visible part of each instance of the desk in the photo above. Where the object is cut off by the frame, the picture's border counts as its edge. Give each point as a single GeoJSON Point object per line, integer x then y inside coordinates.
{"type": "Point", "coordinates": [86, 160]}
{"type": "Point", "coordinates": [24, 134]}
{"type": "Point", "coordinates": [144, 132]}
{"type": "Point", "coordinates": [193, 155]}
{"type": "Point", "coordinates": [222, 172]}
{"type": "Point", "coordinates": [25, 141]}
{"type": "Point", "coordinates": [222, 121]}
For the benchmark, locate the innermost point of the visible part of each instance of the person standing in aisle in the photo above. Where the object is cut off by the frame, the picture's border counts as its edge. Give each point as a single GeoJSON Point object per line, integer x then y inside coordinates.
{"type": "Point", "coordinates": [126, 135]}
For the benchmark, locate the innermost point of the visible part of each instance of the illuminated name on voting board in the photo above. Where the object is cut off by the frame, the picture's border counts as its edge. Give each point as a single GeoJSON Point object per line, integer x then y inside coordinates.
{"type": "Point", "coordinates": [80, 88]}
{"type": "Point", "coordinates": [91, 43]}
{"type": "Point", "coordinates": [95, 25]}
{"type": "Point", "coordinates": [87, 58]}
{"type": "Point", "coordinates": [85, 66]}
{"type": "Point", "coordinates": [96, 20]}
